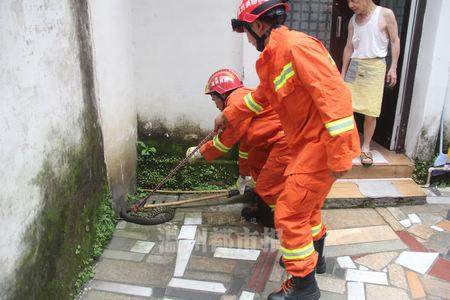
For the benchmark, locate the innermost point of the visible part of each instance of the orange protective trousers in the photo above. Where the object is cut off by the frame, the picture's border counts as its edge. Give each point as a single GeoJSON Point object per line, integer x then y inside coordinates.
{"type": "Point", "coordinates": [298, 219]}
{"type": "Point", "coordinates": [267, 169]}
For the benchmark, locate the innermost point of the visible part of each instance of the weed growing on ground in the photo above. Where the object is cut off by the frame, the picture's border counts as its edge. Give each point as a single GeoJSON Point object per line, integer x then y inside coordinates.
{"type": "Point", "coordinates": [153, 166]}
{"type": "Point", "coordinates": [420, 174]}
{"type": "Point", "coordinates": [104, 228]}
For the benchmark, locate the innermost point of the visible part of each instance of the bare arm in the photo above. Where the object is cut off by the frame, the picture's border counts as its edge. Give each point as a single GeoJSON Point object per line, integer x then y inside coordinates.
{"type": "Point", "coordinates": [392, 30]}
{"type": "Point", "coordinates": [348, 50]}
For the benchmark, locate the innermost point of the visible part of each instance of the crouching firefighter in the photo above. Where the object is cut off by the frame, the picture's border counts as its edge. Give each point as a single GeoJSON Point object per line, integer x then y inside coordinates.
{"type": "Point", "coordinates": [300, 81]}
{"type": "Point", "coordinates": [263, 151]}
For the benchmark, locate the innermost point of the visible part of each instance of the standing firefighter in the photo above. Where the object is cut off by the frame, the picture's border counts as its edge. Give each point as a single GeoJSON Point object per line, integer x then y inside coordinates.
{"type": "Point", "coordinates": [263, 151]}
{"type": "Point", "coordinates": [299, 79]}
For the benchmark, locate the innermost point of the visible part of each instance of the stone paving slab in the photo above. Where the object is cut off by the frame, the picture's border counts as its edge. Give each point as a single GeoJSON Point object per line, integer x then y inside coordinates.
{"type": "Point", "coordinates": [212, 264]}
{"type": "Point", "coordinates": [208, 276]}
{"type": "Point", "coordinates": [417, 261]}
{"type": "Point", "coordinates": [331, 284]}
{"type": "Point", "coordinates": [377, 292]}
{"type": "Point", "coordinates": [356, 291]}
{"type": "Point", "coordinates": [360, 235]}
{"type": "Point", "coordinates": [350, 218]}
{"type": "Point", "coordinates": [131, 234]}
{"type": "Point", "coordinates": [366, 276]}
{"type": "Point", "coordinates": [439, 242]}
{"type": "Point", "coordinates": [371, 238]}
{"type": "Point", "coordinates": [160, 259]}
{"type": "Point", "coordinates": [436, 287]}
{"type": "Point", "coordinates": [430, 218]}
{"type": "Point", "coordinates": [441, 269]}
{"type": "Point", "coordinates": [397, 276]}
{"type": "Point", "coordinates": [415, 286]}
{"type": "Point", "coordinates": [377, 261]}
{"type": "Point", "coordinates": [331, 296]}
{"type": "Point", "coordinates": [101, 295]}
{"type": "Point", "coordinates": [389, 218]}
{"type": "Point", "coordinates": [133, 273]}
{"type": "Point", "coordinates": [123, 255]}
{"type": "Point", "coordinates": [121, 288]}
{"type": "Point", "coordinates": [142, 247]}
{"type": "Point", "coordinates": [121, 243]}
{"type": "Point", "coordinates": [364, 248]}
{"type": "Point", "coordinates": [219, 239]}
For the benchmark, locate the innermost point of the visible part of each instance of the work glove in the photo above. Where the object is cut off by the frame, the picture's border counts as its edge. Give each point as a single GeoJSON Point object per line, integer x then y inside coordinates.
{"type": "Point", "coordinates": [242, 182]}
{"type": "Point", "coordinates": [197, 154]}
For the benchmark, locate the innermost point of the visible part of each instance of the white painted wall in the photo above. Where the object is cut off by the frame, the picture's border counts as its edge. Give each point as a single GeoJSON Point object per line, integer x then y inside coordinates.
{"type": "Point", "coordinates": [250, 56]}
{"type": "Point", "coordinates": [431, 82]}
{"type": "Point", "coordinates": [41, 103]}
{"type": "Point", "coordinates": [115, 84]}
{"type": "Point", "coordinates": [179, 44]}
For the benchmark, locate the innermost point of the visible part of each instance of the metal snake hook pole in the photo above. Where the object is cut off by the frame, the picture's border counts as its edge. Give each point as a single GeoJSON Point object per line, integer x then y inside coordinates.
{"type": "Point", "coordinates": [173, 172]}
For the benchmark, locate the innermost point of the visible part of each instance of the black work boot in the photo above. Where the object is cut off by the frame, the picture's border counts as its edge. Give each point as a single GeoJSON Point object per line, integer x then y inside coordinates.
{"type": "Point", "coordinates": [249, 214]}
{"type": "Point", "coordinates": [298, 288]}
{"type": "Point", "coordinates": [258, 212]}
{"type": "Point", "coordinates": [321, 266]}
{"type": "Point", "coordinates": [264, 214]}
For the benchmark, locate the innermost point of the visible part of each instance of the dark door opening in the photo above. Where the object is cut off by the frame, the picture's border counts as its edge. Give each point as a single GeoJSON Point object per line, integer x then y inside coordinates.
{"type": "Point", "coordinates": [340, 17]}
{"type": "Point", "coordinates": [328, 20]}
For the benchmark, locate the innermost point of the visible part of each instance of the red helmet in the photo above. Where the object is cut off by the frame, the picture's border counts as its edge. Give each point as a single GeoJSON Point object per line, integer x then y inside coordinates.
{"type": "Point", "coordinates": [223, 81]}
{"type": "Point", "coordinates": [250, 10]}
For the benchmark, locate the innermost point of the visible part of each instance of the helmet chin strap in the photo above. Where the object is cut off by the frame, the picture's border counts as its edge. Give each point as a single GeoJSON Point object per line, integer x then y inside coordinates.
{"type": "Point", "coordinates": [260, 40]}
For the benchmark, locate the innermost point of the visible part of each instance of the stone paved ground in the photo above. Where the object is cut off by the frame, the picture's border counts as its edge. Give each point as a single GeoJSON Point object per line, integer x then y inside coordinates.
{"type": "Point", "coordinates": [210, 253]}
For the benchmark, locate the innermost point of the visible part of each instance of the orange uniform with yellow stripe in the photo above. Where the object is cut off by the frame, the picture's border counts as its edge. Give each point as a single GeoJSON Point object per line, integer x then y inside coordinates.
{"type": "Point", "coordinates": [299, 79]}
{"type": "Point", "coordinates": [263, 151]}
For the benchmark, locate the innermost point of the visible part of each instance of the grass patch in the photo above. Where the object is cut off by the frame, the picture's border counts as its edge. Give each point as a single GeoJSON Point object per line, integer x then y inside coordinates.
{"type": "Point", "coordinates": [421, 172]}
{"type": "Point", "coordinates": [103, 230]}
{"type": "Point", "coordinates": [154, 165]}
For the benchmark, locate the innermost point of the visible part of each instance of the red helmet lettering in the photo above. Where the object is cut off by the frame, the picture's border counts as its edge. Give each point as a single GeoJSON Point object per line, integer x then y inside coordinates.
{"type": "Point", "coordinates": [222, 81]}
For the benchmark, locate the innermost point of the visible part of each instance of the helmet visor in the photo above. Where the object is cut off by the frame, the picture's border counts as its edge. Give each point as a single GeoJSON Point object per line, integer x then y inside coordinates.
{"type": "Point", "coordinates": [237, 25]}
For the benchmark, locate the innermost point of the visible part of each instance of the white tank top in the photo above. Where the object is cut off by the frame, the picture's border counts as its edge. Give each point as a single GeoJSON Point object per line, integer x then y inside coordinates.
{"type": "Point", "coordinates": [368, 40]}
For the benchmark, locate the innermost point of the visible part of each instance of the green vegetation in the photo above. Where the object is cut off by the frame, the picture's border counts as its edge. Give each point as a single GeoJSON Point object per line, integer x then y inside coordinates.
{"type": "Point", "coordinates": [153, 165]}
{"type": "Point", "coordinates": [421, 172]}
{"type": "Point", "coordinates": [103, 231]}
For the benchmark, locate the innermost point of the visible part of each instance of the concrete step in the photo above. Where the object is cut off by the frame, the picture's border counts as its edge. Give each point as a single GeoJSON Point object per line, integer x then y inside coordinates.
{"type": "Point", "coordinates": [347, 193]}
{"type": "Point", "coordinates": [387, 164]}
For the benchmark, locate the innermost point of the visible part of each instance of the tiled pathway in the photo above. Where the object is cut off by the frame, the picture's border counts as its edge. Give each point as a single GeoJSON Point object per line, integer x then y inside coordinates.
{"type": "Point", "coordinates": [209, 253]}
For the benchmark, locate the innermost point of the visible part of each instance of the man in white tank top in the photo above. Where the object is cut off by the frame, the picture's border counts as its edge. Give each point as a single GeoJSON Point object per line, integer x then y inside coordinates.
{"type": "Point", "coordinates": [370, 30]}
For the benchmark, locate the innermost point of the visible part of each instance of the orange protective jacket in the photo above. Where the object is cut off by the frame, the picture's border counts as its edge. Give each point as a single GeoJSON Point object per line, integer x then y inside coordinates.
{"type": "Point", "coordinates": [255, 132]}
{"type": "Point", "coordinates": [300, 80]}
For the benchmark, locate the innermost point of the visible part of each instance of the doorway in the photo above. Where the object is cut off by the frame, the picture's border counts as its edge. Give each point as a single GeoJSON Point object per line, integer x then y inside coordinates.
{"type": "Point", "coordinates": [328, 20]}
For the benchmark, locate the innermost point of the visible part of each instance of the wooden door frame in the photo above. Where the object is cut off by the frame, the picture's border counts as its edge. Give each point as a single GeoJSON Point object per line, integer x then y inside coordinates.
{"type": "Point", "coordinates": [410, 65]}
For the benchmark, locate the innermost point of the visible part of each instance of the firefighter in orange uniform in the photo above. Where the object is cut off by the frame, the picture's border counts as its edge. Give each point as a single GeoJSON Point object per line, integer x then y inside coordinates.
{"type": "Point", "coordinates": [299, 79]}
{"type": "Point", "coordinates": [263, 152]}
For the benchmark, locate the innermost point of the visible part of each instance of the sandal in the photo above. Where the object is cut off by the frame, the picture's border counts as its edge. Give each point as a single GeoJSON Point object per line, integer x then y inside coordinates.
{"type": "Point", "coordinates": [366, 159]}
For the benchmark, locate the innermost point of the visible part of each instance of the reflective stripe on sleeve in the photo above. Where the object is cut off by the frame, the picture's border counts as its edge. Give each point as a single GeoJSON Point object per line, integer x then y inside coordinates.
{"type": "Point", "coordinates": [299, 253]}
{"type": "Point", "coordinates": [243, 155]}
{"type": "Point", "coordinates": [331, 59]}
{"type": "Point", "coordinates": [339, 126]}
{"type": "Point", "coordinates": [315, 230]}
{"type": "Point", "coordinates": [218, 144]}
{"type": "Point", "coordinates": [252, 104]}
{"type": "Point", "coordinates": [287, 73]}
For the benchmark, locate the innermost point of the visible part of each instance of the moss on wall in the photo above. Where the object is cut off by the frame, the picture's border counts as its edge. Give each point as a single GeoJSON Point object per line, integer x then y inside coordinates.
{"type": "Point", "coordinates": [59, 243]}
{"type": "Point", "coordinates": [74, 220]}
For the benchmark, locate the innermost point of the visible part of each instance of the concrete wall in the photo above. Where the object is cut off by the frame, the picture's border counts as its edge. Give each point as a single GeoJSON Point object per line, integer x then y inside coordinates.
{"type": "Point", "coordinates": [50, 154]}
{"type": "Point", "coordinates": [179, 44]}
{"type": "Point", "coordinates": [115, 82]}
{"type": "Point", "coordinates": [431, 82]}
